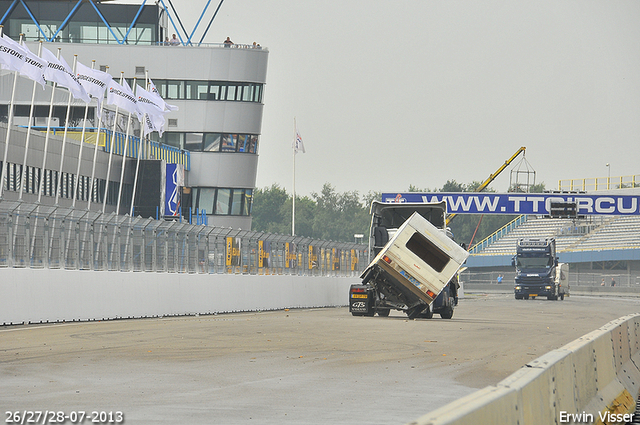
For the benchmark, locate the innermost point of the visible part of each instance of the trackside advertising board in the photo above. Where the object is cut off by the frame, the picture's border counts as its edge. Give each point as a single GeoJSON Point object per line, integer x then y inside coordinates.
{"type": "Point", "coordinates": [522, 203]}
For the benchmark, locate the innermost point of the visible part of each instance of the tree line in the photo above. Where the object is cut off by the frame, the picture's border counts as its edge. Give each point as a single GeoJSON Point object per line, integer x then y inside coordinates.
{"type": "Point", "coordinates": [331, 215]}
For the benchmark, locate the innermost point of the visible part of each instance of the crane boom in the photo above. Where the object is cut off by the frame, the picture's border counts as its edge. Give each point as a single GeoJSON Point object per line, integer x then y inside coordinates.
{"type": "Point", "coordinates": [492, 177]}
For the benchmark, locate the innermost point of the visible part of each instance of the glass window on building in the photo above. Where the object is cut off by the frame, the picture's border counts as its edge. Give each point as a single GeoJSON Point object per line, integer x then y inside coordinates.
{"type": "Point", "coordinates": [246, 92]}
{"type": "Point", "coordinates": [197, 90]}
{"type": "Point", "coordinates": [31, 31]}
{"type": "Point", "coordinates": [206, 196]}
{"type": "Point", "coordinates": [212, 142]}
{"type": "Point", "coordinates": [232, 92]}
{"type": "Point", "coordinates": [229, 142]}
{"type": "Point", "coordinates": [193, 142]}
{"type": "Point", "coordinates": [173, 139]}
{"type": "Point", "coordinates": [222, 201]}
{"type": "Point", "coordinates": [236, 203]}
{"type": "Point", "coordinates": [175, 89]}
{"type": "Point", "coordinates": [243, 143]}
{"type": "Point", "coordinates": [161, 86]}
{"type": "Point", "coordinates": [257, 89]}
{"type": "Point", "coordinates": [253, 143]}
{"type": "Point", "coordinates": [248, 198]}
{"type": "Point", "coordinates": [217, 91]}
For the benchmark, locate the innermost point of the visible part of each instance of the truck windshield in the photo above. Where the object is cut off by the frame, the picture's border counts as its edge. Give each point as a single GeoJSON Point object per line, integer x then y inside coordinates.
{"type": "Point", "coordinates": [534, 261]}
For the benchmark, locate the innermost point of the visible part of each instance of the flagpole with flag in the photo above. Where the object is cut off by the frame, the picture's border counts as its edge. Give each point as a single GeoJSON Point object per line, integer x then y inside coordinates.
{"type": "Point", "coordinates": [48, 133]}
{"type": "Point", "coordinates": [297, 147]}
{"type": "Point", "coordinates": [13, 61]}
{"type": "Point", "coordinates": [111, 147]}
{"type": "Point", "coordinates": [38, 64]}
{"type": "Point", "coordinates": [95, 86]}
{"type": "Point", "coordinates": [106, 78]}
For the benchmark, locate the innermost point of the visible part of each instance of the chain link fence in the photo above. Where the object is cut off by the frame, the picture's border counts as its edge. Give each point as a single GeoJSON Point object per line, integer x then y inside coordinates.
{"type": "Point", "coordinates": [39, 236]}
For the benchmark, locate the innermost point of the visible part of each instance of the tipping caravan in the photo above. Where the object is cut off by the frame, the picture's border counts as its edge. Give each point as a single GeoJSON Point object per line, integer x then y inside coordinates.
{"type": "Point", "coordinates": [415, 271]}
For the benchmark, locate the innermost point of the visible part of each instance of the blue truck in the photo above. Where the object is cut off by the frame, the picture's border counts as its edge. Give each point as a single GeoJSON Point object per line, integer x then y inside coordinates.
{"type": "Point", "coordinates": [538, 272]}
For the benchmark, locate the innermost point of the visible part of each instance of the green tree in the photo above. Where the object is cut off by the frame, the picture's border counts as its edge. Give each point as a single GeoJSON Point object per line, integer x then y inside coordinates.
{"type": "Point", "coordinates": [452, 186]}
{"type": "Point", "coordinates": [537, 188]}
{"type": "Point", "coordinates": [267, 212]}
{"type": "Point", "coordinates": [338, 216]}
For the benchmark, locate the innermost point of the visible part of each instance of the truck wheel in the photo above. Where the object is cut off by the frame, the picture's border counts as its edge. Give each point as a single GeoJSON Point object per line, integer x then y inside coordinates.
{"type": "Point", "coordinates": [447, 313]}
{"type": "Point", "coordinates": [518, 298]}
{"type": "Point", "coordinates": [426, 314]}
{"type": "Point", "coordinates": [384, 312]}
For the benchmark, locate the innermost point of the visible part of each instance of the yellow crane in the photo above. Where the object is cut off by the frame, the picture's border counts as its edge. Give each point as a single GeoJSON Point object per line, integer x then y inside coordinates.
{"type": "Point", "coordinates": [492, 177]}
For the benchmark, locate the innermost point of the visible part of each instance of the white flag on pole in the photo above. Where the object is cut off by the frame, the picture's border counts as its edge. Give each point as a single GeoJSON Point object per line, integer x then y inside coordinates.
{"type": "Point", "coordinates": [154, 90]}
{"type": "Point", "coordinates": [59, 72]}
{"type": "Point", "coordinates": [33, 66]}
{"type": "Point", "coordinates": [298, 146]}
{"type": "Point", "coordinates": [12, 55]}
{"type": "Point", "coordinates": [94, 81]}
{"type": "Point", "coordinates": [123, 97]}
{"type": "Point", "coordinates": [149, 103]}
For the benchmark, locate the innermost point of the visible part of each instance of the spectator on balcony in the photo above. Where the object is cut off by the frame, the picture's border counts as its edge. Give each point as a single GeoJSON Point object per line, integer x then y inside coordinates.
{"type": "Point", "coordinates": [228, 42]}
{"type": "Point", "coordinates": [174, 40]}
{"type": "Point", "coordinates": [613, 282]}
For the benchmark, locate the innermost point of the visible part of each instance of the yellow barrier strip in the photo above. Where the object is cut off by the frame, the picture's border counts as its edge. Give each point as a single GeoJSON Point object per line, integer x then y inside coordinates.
{"type": "Point", "coordinates": [620, 411]}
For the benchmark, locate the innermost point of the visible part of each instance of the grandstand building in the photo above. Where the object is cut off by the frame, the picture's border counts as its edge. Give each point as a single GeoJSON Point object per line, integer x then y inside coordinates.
{"type": "Point", "coordinates": [214, 134]}
{"type": "Point", "coordinates": [595, 247]}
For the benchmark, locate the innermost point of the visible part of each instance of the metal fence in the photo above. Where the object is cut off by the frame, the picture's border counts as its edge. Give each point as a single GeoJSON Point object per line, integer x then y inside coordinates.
{"type": "Point", "coordinates": [622, 278]}
{"type": "Point", "coordinates": [38, 236]}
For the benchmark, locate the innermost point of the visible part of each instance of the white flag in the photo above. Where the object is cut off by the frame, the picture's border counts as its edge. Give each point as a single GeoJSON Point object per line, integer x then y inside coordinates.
{"type": "Point", "coordinates": [297, 143]}
{"type": "Point", "coordinates": [153, 123]}
{"type": "Point", "coordinates": [123, 97]}
{"type": "Point", "coordinates": [59, 72]}
{"type": "Point", "coordinates": [94, 81]}
{"type": "Point", "coordinates": [12, 55]}
{"type": "Point", "coordinates": [33, 66]}
{"type": "Point", "coordinates": [149, 103]}
{"type": "Point", "coordinates": [154, 90]}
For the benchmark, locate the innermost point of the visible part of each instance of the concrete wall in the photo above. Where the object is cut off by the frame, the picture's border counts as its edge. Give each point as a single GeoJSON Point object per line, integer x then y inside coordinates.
{"type": "Point", "coordinates": [594, 375]}
{"type": "Point", "coordinates": [44, 295]}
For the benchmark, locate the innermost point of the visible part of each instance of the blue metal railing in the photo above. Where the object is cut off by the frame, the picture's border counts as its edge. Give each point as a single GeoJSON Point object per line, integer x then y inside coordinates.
{"type": "Point", "coordinates": [498, 234]}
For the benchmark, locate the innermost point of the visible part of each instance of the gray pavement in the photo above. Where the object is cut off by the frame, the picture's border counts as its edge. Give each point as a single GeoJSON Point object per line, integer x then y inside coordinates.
{"type": "Point", "coordinates": [312, 366]}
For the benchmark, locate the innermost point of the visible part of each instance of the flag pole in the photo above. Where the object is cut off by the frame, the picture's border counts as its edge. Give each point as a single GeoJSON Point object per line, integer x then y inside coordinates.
{"type": "Point", "coordinates": [64, 137]}
{"type": "Point", "coordinates": [135, 176]}
{"type": "Point", "coordinates": [46, 140]}
{"type": "Point", "coordinates": [124, 156]}
{"type": "Point", "coordinates": [95, 147]}
{"type": "Point", "coordinates": [113, 138]}
{"type": "Point", "coordinates": [5, 168]}
{"type": "Point", "coordinates": [82, 142]}
{"type": "Point", "coordinates": [293, 200]}
{"type": "Point", "coordinates": [28, 138]}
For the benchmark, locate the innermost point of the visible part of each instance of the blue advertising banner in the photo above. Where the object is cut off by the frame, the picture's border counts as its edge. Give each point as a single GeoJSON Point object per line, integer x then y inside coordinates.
{"type": "Point", "coordinates": [522, 203]}
{"type": "Point", "coordinates": [174, 179]}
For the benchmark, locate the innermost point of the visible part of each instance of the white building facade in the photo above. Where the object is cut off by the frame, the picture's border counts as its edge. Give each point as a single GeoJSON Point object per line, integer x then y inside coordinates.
{"type": "Point", "coordinates": [219, 90]}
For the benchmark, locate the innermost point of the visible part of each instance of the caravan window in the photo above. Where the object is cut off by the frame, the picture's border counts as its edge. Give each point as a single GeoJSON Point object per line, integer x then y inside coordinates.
{"type": "Point", "coordinates": [427, 252]}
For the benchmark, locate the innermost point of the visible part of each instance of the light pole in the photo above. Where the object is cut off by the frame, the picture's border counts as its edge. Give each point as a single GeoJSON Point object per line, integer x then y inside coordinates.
{"type": "Point", "coordinates": [608, 174]}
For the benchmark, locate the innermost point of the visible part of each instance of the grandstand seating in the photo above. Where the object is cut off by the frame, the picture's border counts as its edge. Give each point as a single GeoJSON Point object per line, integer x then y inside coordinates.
{"type": "Point", "coordinates": [593, 233]}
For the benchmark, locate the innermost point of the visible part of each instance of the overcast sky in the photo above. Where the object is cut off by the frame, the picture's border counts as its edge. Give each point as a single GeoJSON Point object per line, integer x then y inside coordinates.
{"type": "Point", "coordinates": [389, 93]}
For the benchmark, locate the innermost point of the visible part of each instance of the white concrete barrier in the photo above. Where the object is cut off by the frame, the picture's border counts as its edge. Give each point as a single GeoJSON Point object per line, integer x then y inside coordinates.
{"type": "Point", "coordinates": [44, 295]}
{"type": "Point", "coordinates": [594, 377]}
